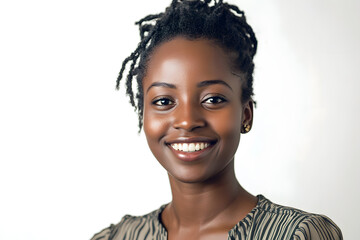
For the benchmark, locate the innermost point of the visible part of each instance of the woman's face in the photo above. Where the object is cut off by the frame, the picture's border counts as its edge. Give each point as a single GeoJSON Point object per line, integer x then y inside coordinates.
{"type": "Point", "coordinates": [192, 109]}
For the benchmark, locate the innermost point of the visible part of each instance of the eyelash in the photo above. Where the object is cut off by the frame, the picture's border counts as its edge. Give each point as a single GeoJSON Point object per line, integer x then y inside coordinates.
{"type": "Point", "coordinates": [167, 103]}
{"type": "Point", "coordinates": [222, 100]}
{"type": "Point", "coordinates": [162, 100]}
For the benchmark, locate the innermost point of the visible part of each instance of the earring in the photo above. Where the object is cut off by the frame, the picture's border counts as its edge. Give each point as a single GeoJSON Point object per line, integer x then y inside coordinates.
{"type": "Point", "coordinates": [246, 128]}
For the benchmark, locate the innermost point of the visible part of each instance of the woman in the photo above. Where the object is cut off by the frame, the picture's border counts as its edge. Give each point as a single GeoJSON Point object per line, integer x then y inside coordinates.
{"type": "Point", "coordinates": [194, 69]}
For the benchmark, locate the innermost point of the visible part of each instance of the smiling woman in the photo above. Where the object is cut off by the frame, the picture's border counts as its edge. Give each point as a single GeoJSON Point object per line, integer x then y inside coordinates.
{"type": "Point", "coordinates": [198, 104]}
{"type": "Point", "coordinates": [194, 69]}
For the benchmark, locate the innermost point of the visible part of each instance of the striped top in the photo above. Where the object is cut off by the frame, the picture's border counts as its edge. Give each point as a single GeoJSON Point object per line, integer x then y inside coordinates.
{"type": "Point", "coordinates": [266, 221]}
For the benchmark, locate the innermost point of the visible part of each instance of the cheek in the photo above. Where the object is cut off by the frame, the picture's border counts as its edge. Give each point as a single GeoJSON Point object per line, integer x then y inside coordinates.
{"type": "Point", "coordinates": [228, 123]}
{"type": "Point", "coordinates": [228, 126]}
{"type": "Point", "coordinates": [154, 126]}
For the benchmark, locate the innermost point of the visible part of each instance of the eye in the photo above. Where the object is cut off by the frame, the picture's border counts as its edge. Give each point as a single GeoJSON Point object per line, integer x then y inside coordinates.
{"type": "Point", "coordinates": [163, 102]}
{"type": "Point", "coordinates": [214, 100]}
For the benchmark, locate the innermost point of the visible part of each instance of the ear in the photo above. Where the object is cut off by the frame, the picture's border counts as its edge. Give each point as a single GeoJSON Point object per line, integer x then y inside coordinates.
{"type": "Point", "coordinates": [248, 115]}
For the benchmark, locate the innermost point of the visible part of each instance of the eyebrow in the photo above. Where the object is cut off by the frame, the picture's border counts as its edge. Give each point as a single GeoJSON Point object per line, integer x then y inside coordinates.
{"type": "Point", "coordinates": [211, 82]}
{"type": "Point", "coordinates": [199, 85]}
{"type": "Point", "coordinates": [161, 84]}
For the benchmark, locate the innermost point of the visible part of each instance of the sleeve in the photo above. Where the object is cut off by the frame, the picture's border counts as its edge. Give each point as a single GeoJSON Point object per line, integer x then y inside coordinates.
{"type": "Point", "coordinates": [317, 227]}
{"type": "Point", "coordinates": [103, 234]}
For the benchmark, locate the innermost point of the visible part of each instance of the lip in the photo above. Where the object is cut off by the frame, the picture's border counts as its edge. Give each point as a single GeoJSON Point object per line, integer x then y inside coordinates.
{"type": "Point", "coordinates": [191, 156]}
{"type": "Point", "coordinates": [190, 140]}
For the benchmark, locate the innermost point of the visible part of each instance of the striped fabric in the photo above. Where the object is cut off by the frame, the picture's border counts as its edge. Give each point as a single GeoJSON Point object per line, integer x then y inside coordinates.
{"type": "Point", "coordinates": [266, 221]}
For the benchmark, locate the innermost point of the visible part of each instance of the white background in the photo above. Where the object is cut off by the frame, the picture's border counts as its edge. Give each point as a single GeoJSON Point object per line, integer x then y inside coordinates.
{"type": "Point", "coordinates": [71, 161]}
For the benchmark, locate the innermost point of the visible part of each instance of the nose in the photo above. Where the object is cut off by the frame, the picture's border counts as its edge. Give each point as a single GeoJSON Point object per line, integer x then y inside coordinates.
{"type": "Point", "coordinates": [188, 117]}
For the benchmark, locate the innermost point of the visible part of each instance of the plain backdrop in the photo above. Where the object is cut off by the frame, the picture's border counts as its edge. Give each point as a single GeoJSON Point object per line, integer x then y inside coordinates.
{"type": "Point", "coordinates": [71, 161]}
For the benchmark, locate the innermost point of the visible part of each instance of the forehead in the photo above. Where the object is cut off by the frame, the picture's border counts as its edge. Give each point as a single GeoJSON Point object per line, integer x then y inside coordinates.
{"type": "Point", "coordinates": [183, 58]}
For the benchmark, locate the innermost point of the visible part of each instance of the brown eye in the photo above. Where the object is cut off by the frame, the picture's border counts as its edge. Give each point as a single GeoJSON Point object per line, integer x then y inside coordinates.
{"type": "Point", "coordinates": [214, 100]}
{"type": "Point", "coordinates": [163, 102]}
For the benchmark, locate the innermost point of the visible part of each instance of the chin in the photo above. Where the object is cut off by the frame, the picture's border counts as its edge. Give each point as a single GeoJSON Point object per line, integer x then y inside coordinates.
{"type": "Point", "coordinates": [188, 178]}
{"type": "Point", "coordinates": [195, 174]}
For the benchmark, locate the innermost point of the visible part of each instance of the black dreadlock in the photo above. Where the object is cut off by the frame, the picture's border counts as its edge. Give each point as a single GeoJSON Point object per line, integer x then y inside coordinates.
{"type": "Point", "coordinates": [223, 23]}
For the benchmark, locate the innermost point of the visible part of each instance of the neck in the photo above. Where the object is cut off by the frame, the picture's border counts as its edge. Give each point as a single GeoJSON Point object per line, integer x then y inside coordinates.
{"type": "Point", "coordinates": [200, 203]}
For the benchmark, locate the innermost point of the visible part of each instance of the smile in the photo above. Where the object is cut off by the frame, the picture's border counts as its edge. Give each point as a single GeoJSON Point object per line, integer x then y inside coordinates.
{"type": "Point", "coordinates": [190, 147]}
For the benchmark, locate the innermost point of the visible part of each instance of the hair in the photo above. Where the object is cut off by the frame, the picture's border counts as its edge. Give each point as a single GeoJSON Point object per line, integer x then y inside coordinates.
{"type": "Point", "coordinates": [221, 22]}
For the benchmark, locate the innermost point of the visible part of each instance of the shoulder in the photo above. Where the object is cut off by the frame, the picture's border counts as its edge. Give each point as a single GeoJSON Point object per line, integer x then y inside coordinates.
{"type": "Point", "coordinates": [291, 223]}
{"type": "Point", "coordinates": [319, 227]}
{"type": "Point", "coordinates": [103, 234]}
{"type": "Point", "coordinates": [133, 227]}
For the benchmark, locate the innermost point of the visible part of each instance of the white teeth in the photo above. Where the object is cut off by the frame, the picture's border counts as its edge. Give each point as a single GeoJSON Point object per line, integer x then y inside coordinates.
{"type": "Point", "coordinates": [189, 147]}
{"type": "Point", "coordinates": [197, 147]}
{"type": "Point", "coordinates": [192, 147]}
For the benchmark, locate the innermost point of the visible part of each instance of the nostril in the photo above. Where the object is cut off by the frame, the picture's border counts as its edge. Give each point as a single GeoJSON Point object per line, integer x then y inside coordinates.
{"type": "Point", "coordinates": [189, 125]}
{"type": "Point", "coordinates": [188, 118]}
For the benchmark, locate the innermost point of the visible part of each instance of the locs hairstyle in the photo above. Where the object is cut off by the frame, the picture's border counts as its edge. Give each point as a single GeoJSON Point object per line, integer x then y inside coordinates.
{"type": "Point", "coordinates": [220, 22]}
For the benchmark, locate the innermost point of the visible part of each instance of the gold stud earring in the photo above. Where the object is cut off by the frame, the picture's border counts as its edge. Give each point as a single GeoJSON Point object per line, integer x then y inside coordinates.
{"type": "Point", "coordinates": [246, 128]}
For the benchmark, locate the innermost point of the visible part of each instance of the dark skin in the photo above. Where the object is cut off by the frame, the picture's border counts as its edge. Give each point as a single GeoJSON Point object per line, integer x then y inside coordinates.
{"type": "Point", "coordinates": [192, 95]}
